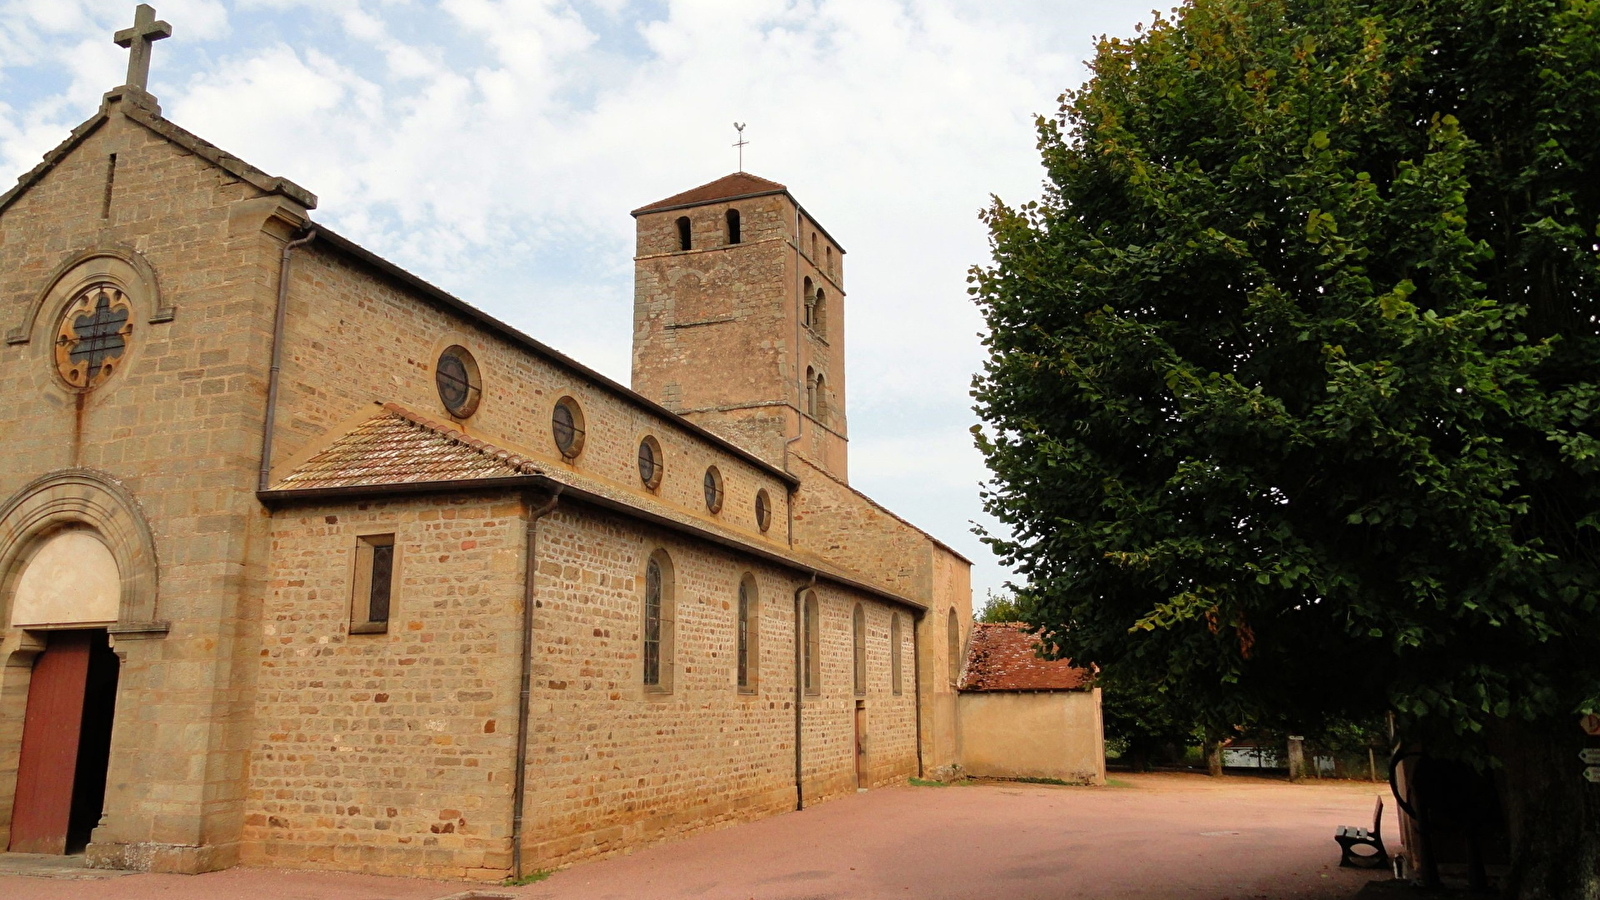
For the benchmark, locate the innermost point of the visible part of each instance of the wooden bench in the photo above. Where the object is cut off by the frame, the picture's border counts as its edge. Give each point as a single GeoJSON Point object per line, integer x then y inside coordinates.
{"type": "Point", "coordinates": [1350, 837]}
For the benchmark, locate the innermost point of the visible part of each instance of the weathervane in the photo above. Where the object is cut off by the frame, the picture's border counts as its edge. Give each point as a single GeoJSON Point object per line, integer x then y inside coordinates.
{"type": "Point", "coordinates": [739, 127]}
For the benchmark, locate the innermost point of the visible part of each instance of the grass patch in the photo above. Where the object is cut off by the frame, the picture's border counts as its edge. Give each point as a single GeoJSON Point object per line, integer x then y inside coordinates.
{"type": "Point", "coordinates": [923, 782]}
{"type": "Point", "coordinates": [531, 878]}
{"type": "Point", "coordinates": [1044, 781]}
{"type": "Point", "coordinates": [1118, 782]}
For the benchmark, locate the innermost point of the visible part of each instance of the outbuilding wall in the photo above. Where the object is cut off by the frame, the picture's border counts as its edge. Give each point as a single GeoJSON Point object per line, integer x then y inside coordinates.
{"type": "Point", "coordinates": [1032, 734]}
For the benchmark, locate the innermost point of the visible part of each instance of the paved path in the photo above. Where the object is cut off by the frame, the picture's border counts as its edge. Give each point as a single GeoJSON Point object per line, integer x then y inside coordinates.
{"type": "Point", "coordinates": [1172, 837]}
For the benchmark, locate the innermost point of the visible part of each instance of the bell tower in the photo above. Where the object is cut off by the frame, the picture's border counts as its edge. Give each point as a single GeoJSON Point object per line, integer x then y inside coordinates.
{"type": "Point", "coordinates": [738, 319]}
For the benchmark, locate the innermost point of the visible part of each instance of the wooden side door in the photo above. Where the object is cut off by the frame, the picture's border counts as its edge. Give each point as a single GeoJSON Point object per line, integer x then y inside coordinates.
{"type": "Point", "coordinates": [863, 775]}
{"type": "Point", "coordinates": [49, 758]}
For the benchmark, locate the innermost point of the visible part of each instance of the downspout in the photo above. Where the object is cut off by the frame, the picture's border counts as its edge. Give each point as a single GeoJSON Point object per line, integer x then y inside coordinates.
{"type": "Point", "coordinates": [799, 688]}
{"type": "Point", "coordinates": [278, 317]}
{"type": "Point", "coordinates": [519, 790]}
{"type": "Point", "coordinates": [916, 678]}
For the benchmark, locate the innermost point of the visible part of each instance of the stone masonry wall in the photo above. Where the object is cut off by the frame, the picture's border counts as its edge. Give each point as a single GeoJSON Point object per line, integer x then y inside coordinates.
{"type": "Point", "coordinates": [178, 427]}
{"type": "Point", "coordinates": [612, 766]}
{"type": "Point", "coordinates": [389, 753]}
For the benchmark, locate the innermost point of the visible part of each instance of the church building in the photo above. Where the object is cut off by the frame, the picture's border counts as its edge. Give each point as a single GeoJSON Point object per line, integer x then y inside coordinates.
{"type": "Point", "coordinates": [305, 562]}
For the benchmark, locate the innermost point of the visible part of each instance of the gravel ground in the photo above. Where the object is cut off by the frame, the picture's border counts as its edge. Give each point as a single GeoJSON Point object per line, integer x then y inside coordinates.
{"type": "Point", "coordinates": [1184, 837]}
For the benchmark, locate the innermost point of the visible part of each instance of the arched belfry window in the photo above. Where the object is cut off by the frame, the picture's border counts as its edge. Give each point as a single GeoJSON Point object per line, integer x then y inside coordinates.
{"type": "Point", "coordinates": [858, 634]}
{"type": "Point", "coordinates": [811, 391]}
{"type": "Point", "coordinates": [807, 294]}
{"type": "Point", "coordinates": [830, 262]}
{"type": "Point", "coordinates": [659, 614]}
{"type": "Point", "coordinates": [733, 226]}
{"type": "Point", "coordinates": [819, 409]}
{"type": "Point", "coordinates": [819, 314]}
{"type": "Point", "coordinates": [683, 232]}
{"type": "Point", "coordinates": [953, 648]}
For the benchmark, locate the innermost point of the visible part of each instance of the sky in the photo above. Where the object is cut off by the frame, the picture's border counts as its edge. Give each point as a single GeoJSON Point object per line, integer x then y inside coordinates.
{"type": "Point", "coordinates": [495, 149]}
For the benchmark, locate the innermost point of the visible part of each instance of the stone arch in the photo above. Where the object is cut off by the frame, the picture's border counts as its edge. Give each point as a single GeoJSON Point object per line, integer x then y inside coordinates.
{"type": "Point", "coordinates": [123, 266]}
{"type": "Point", "coordinates": [83, 498]}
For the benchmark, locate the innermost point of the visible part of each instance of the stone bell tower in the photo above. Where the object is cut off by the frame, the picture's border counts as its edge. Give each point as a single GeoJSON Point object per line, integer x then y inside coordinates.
{"type": "Point", "coordinates": [738, 319]}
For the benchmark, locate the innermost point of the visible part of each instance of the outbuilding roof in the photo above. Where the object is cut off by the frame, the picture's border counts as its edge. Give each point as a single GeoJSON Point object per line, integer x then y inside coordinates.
{"type": "Point", "coordinates": [1004, 657]}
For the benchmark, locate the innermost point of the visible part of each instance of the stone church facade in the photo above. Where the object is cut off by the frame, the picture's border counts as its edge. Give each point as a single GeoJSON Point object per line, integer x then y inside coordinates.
{"type": "Point", "coordinates": [306, 563]}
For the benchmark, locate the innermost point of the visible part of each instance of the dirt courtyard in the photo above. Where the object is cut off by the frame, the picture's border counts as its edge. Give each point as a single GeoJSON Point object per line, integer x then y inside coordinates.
{"type": "Point", "coordinates": [1146, 836]}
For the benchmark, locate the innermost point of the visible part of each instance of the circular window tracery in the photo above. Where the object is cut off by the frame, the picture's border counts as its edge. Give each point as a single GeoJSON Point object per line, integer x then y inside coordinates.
{"type": "Point", "coordinates": [713, 489]}
{"type": "Point", "coordinates": [456, 377]}
{"type": "Point", "coordinates": [92, 337]}
{"type": "Point", "coordinates": [763, 509]}
{"type": "Point", "coordinates": [566, 426]}
{"type": "Point", "coordinates": [650, 463]}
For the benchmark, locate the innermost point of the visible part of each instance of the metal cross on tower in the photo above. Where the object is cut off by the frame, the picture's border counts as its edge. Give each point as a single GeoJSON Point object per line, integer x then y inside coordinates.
{"type": "Point", "coordinates": [145, 31]}
{"type": "Point", "coordinates": [739, 127]}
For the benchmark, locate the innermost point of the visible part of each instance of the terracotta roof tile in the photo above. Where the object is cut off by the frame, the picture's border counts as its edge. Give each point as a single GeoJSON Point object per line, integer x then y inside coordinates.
{"type": "Point", "coordinates": [738, 184]}
{"type": "Point", "coordinates": [1003, 657]}
{"type": "Point", "coordinates": [398, 446]}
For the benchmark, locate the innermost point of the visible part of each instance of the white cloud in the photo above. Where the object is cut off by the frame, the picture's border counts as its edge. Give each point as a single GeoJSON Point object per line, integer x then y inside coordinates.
{"type": "Point", "coordinates": [495, 147]}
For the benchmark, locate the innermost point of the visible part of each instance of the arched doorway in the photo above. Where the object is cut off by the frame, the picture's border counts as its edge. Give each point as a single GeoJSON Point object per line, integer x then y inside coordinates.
{"type": "Point", "coordinates": [68, 580]}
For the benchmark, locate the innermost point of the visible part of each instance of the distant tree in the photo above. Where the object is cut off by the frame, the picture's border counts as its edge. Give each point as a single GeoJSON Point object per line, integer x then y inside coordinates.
{"type": "Point", "coordinates": [1001, 608]}
{"type": "Point", "coordinates": [1291, 402]}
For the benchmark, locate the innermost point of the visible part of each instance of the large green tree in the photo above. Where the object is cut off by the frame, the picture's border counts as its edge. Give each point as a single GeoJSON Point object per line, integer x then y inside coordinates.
{"type": "Point", "coordinates": [1291, 404]}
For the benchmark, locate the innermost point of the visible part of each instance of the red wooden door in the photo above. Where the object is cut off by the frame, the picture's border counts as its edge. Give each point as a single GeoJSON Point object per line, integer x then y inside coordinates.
{"type": "Point", "coordinates": [49, 757]}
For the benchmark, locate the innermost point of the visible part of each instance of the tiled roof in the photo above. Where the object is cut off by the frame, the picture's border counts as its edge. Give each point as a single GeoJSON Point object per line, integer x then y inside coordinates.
{"type": "Point", "coordinates": [1002, 657]}
{"type": "Point", "coordinates": [738, 184]}
{"type": "Point", "coordinates": [397, 446]}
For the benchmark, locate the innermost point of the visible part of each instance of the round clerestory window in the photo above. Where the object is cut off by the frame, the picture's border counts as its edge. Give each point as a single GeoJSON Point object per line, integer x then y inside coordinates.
{"type": "Point", "coordinates": [713, 488]}
{"type": "Point", "coordinates": [650, 463]}
{"type": "Point", "coordinates": [566, 426]}
{"type": "Point", "coordinates": [763, 509]}
{"type": "Point", "coordinates": [456, 377]}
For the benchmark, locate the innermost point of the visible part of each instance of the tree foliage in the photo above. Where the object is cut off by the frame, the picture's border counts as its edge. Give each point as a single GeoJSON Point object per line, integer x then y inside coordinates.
{"type": "Point", "coordinates": [1291, 399]}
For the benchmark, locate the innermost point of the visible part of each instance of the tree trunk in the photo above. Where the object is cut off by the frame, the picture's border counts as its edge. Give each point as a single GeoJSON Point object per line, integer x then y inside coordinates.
{"type": "Point", "coordinates": [1213, 751]}
{"type": "Point", "coordinates": [1553, 814]}
{"type": "Point", "coordinates": [1297, 758]}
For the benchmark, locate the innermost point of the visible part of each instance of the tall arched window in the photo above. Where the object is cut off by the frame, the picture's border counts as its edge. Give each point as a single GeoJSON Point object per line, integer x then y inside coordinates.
{"type": "Point", "coordinates": [819, 314]}
{"type": "Point", "coordinates": [896, 672]}
{"type": "Point", "coordinates": [819, 409]}
{"type": "Point", "coordinates": [813, 246]}
{"type": "Point", "coordinates": [748, 635]}
{"type": "Point", "coordinates": [858, 634]}
{"type": "Point", "coordinates": [807, 294]}
{"type": "Point", "coordinates": [733, 226]}
{"type": "Point", "coordinates": [811, 391]}
{"type": "Point", "coordinates": [658, 623]}
{"type": "Point", "coordinates": [953, 648]}
{"type": "Point", "coordinates": [813, 644]}
{"type": "Point", "coordinates": [829, 269]}
{"type": "Point", "coordinates": [683, 232]}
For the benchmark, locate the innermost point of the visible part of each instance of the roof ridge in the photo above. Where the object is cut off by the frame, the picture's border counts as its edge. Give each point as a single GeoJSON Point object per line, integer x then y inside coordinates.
{"type": "Point", "coordinates": [516, 461]}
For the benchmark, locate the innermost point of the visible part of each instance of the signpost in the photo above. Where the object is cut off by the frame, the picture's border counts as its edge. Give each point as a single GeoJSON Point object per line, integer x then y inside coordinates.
{"type": "Point", "coordinates": [1590, 755]}
{"type": "Point", "coordinates": [1590, 724]}
{"type": "Point", "coordinates": [1592, 774]}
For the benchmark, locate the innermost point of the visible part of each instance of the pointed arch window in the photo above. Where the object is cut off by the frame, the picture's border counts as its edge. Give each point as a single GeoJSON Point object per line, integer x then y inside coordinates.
{"type": "Point", "coordinates": [748, 636]}
{"type": "Point", "coordinates": [858, 643]}
{"type": "Point", "coordinates": [813, 645]}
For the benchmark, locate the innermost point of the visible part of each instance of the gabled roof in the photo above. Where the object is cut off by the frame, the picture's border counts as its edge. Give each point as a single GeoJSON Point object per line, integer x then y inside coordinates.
{"type": "Point", "coordinates": [729, 187]}
{"type": "Point", "coordinates": [398, 452]}
{"type": "Point", "coordinates": [140, 107]}
{"type": "Point", "coordinates": [1004, 657]}
{"type": "Point", "coordinates": [398, 446]}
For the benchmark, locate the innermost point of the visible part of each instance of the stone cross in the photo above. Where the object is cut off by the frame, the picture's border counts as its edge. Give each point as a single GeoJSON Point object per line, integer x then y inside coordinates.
{"type": "Point", "coordinates": [145, 31]}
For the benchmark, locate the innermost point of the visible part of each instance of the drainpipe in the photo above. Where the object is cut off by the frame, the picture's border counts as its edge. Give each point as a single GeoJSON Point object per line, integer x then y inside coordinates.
{"type": "Point", "coordinates": [519, 790]}
{"type": "Point", "coordinates": [800, 687]}
{"type": "Point", "coordinates": [277, 356]}
{"type": "Point", "coordinates": [916, 680]}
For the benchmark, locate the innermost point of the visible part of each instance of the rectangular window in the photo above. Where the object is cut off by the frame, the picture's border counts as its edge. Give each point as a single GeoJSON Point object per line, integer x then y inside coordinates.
{"type": "Point", "coordinates": [373, 595]}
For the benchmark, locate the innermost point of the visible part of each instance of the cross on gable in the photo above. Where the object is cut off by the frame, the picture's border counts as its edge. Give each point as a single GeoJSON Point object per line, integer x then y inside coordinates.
{"type": "Point", "coordinates": [145, 31]}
